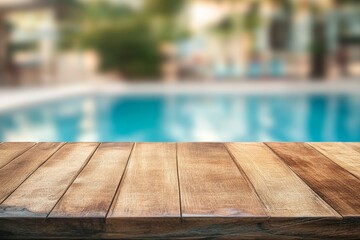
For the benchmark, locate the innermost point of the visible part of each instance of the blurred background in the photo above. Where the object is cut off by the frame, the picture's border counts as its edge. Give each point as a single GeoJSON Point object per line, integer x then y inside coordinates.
{"type": "Point", "coordinates": [179, 70]}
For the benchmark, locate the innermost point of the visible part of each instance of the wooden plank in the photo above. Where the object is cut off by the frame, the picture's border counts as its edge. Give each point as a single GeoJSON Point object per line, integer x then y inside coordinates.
{"type": "Point", "coordinates": [14, 173]}
{"type": "Point", "coordinates": [277, 228]}
{"type": "Point", "coordinates": [210, 173]}
{"type": "Point", "coordinates": [346, 228]}
{"type": "Point", "coordinates": [41, 191]}
{"type": "Point", "coordinates": [354, 145]}
{"type": "Point", "coordinates": [212, 185]}
{"type": "Point", "coordinates": [91, 193]}
{"type": "Point", "coordinates": [149, 188]}
{"type": "Point", "coordinates": [51, 228]}
{"type": "Point", "coordinates": [341, 154]}
{"type": "Point", "coordinates": [11, 150]}
{"type": "Point", "coordinates": [190, 228]}
{"type": "Point", "coordinates": [332, 183]}
{"type": "Point", "coordinates": [283, 192]}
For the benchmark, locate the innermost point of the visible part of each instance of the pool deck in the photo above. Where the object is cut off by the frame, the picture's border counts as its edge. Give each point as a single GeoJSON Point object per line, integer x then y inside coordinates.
{"type": "Point", "coordinates": [180, 190]}
{"type": "Point", "coordinates": [12, 98]}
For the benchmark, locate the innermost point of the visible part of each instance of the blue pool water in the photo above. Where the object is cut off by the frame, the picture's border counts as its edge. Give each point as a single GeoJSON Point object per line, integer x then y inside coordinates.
{"type": "Point", "coordinates": [187, 118]}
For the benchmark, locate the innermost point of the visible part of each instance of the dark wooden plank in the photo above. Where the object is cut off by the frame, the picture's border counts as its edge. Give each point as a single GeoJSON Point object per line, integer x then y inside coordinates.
{"type": "Point", "coordinates": [279, 228]}
{"type": "Point", "coordinates": [41, 191]}
{"type": "Point", "coordinates": [51, 228]}
{"type": "Point", "coordinates": [331, 182]}
{"type": "Point", "coordinates": [149, 188]}
{"type": "Point", "coordinates": [190, 228]}
{"type": "Point", "coordinates": [209, 173]}
{"type": "Point", "coordinates": [283, 192]}
{"type": "Point", "coordinates": [341, 154]}
{"type": "Point", "coordinates": [11, 150]}
{"type": "Point", "coordinates": [14, 173]}
{"type": "Point", "coordinates": [91, 193]}
{"type": "Point", "coordinates": [212, 185]}
{"type": "Point", "coordinates": [346, 228]}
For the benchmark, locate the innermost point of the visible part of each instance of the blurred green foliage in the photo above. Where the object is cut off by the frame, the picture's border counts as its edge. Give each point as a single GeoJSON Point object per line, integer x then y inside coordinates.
{"type": "Point", "coordinates": [248, 22]}
{"type": "Point", "coordinates": [164, 7]}
{"type": "Point", "coordinates": [127, 39]}
{"type": "Point", "coordinates": [252, 20]}
{"type": "Point", "coordinates": [128, 49]}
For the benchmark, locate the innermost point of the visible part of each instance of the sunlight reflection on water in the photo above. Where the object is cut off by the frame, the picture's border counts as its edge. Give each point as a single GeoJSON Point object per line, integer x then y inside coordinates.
{"type": "Point", "coordinates": [187, 118]}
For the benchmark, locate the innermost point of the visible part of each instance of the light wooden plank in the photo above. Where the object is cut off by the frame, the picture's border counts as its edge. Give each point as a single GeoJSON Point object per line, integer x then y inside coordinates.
{"type": "Point", "coordinates": [283, 192]}
{"type": "Point", "coordinates": [11, 150]}
{"type": "Point", "coordinates": [205, 227]}
{"type": "Point", "coordinates": [212, 185]}
{"type": "Point", "coordinates": [150, 187]}
{"type": "Point", "coordinates": [341, 154]}
{"type": "Point", "coordinates": [41, 191]}
{"type": "Point", "coordinates": [354, 145]}
{"type": "Point", "coordinates": [332, 183]}
{"type": "Point", "coordinates": [91, 193]}
{"type": "Point", "coordinates": [14, 173]}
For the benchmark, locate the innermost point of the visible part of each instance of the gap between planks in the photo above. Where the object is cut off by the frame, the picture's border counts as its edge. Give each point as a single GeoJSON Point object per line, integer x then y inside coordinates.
{"type": "Point", "coordinates": [256, 160]}
{"type": "Point", "coordinates": [336, 162]}
{"type": "Point", "coordinates": [266, 144]}
{"type": "Point", "coordinates": [18, 155]}
{"type": "Point", "coordinates": [76, 175]}
{"type": "Point", "coordinates": [177, 168]}
{"type": "Point", "coordinates": [179, 185]}
{"type": "Point", "coordinates": [117, 192]}
{"type": "Point", "coordinates": [342, 208]}
{"type": "Point", "coordinates": [149, 187]}
{"type": "Point", "coordinates": [239, 168]}
{"type": "Point", "coordinates": [246, 178]}
{"type": "Point", "coordinates": [33, 171]}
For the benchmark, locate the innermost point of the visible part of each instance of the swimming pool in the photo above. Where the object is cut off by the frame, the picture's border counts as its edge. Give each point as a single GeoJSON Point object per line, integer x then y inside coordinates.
{"type": "Point", "coordinates": [187, 117]}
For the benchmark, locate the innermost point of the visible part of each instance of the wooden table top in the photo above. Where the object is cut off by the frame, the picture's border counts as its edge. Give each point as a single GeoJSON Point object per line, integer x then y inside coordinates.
{"type": "Point", "coordinates": [180, 190]}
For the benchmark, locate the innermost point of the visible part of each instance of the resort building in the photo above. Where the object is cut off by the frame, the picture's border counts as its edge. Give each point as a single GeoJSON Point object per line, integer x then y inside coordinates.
{"type": "Point", "coordinates": [245, 39]}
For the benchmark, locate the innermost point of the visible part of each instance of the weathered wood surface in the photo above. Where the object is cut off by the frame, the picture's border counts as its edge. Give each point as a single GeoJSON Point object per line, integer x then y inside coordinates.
{"type": "Point", "coordinates": [343, 155]}
{"type": "Point", "coordinates": [330, 181]}
{"type": "Point", "coordinates": [212, 186]}
{"type": "Point", "coordinates": [354, 145]}
{"type": "Point", "coordinates": [91, 193]}
{"type": "Point", "coordinates": [149, 187]}
{"type": "Point", "coordinates": [40, 192]}
{"type": "Point", "coordinates": [9, 151]}
{"type": "Point", "coordinates": [273, 180]}
{"type": "Point", "coordinates": [18, 170]}
{"type": "Point", "coordinates": [180, 190]}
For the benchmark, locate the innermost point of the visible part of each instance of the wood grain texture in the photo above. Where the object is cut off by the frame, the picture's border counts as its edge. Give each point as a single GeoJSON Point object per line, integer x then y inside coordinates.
{"type": "Point", "coordinates": [40, 192]}
{"type": "Point", "coordinates": [190, 228]}
{"type": "Point", "coordinates": [178, 191]}
{"type": "Point", "coordinates": [341, 154]}
{"type": "Point", "coordinates": [11, 150]}
{"type": "Point", "coordinates": [51, 228]}
{"type": "Point", "coordinates": [283, 192]}
{"type": "Point", "coordinates": [91, 193]}
{"type": "Point", "coordinates": [14, 173]}
{"type": "Point", "coordinates": [330, 181]}
{"type": "Point", "coordinates": [149, 187]}
{"type": "Point", "coordinates": [275, 228]}
{"type": "Point", "coordinates": [212, 185]}
{"type": "Point", "coordinates": [354, 145]}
